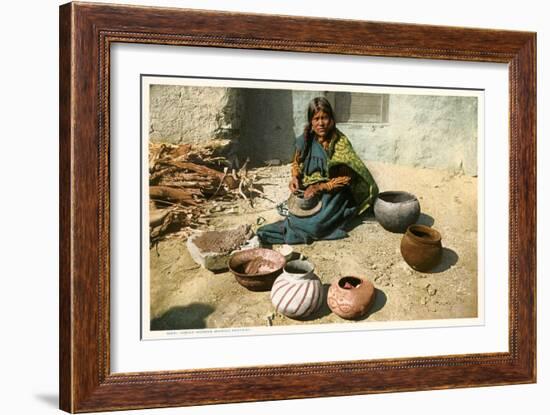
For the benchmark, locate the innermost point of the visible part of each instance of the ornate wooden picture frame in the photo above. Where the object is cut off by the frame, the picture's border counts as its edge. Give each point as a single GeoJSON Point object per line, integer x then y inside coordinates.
{"type": "Point", "coordinates": [87, 32]}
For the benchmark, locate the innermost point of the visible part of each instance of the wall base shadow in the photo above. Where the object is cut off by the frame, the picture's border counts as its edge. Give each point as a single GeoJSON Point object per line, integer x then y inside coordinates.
{"type": "Point", "coordinates": [191, 316]}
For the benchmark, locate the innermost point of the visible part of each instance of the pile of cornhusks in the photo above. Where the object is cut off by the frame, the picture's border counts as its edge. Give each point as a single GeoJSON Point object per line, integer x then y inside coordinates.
{"type": "Point", "coordinates": [184, 182]}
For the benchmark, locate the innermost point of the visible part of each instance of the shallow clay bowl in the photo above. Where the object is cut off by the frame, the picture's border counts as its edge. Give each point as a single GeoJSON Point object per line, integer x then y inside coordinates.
{"type": "Point", "coordinates": [256, 269]}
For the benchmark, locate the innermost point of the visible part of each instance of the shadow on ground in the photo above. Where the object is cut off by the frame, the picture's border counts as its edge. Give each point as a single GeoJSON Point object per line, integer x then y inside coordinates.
{"type": "Point", "coordinates": [425, 220]}
{"type": "Point", "coordinates": [380, 301]}
{"type": "Point", "coordinates": [358, 220]}
{"type": "Point", "coordinates": [192, 316]}
{"type": "Point", "coordinates": [449, 258]}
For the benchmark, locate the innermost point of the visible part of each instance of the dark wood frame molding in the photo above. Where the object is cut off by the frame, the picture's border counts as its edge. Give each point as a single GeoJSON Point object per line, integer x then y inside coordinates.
{"type": "Point", "coordinates": [86, 34]}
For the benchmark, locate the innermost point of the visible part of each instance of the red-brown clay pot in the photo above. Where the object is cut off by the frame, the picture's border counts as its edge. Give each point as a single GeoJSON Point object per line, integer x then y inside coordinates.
{"type": "Point", "coordinates": [421, 247]}
{"type": "Point", "coordinates": [350, 297]}
{"type": "Point", "coordinates": [256, 269]}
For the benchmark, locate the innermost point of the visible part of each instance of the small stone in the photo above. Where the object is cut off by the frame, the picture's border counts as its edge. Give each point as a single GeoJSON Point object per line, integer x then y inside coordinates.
{"type": "Point", "coordinates": [423, 301]}
{"type": "Point", "coordinates": [260, 220]}
{"type": "Point", "coordinates": [373, 266]}
{"type": "Point", "coordinates": [269, 319]}
{"type": "Point", "coordinates": [431, 290]}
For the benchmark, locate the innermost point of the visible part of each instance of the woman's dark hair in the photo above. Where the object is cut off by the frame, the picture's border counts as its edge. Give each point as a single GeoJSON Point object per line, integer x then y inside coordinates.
{"type": "Point", "coordinates": [314, 106]}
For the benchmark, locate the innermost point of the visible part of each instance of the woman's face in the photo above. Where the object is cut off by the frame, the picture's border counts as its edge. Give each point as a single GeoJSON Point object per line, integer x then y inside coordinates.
{"type": "Point", "coordinates": [320, 124]}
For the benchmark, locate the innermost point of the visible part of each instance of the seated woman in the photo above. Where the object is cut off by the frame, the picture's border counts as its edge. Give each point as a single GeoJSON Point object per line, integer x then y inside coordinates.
{"type": "Point", "coordinates": [326, 167]}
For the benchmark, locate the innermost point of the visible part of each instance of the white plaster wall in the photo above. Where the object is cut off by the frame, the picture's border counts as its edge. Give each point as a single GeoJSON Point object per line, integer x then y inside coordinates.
{"type": "Point", "coordinates": [422, 131]}
{"type": "Point", "coordinates": [187, 114]}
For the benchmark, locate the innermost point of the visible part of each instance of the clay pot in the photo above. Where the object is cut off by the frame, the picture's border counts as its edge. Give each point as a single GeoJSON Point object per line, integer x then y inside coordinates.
{"type": "Point", "coordinates": [350, 297]}
{"type": "Point", "coordinates": [396, 210]}
{"type": "Point", "coordinates": [421, 247]}
{"type": "Point", "coordinates": [303, 203]}
{"type": "Point", "coordinates": [301, 207]}
{"type": "Point", "coordinates": [256, 269]}
{"type": "Point", "coordinates": [297, 292]}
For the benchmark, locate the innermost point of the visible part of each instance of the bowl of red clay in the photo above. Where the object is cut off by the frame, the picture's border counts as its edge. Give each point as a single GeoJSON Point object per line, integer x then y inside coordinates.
{"type": "Point", "coordinates": [256, 269]}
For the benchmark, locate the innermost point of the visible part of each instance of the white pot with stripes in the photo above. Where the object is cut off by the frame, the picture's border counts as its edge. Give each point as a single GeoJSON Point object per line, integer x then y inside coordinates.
{"type": "Point", "coordinates": [297, 292]}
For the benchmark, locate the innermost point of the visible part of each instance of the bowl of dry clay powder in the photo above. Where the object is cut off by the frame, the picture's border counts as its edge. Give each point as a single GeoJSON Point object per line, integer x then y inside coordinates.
{"type": "Point", "coordinates": [256, 269]}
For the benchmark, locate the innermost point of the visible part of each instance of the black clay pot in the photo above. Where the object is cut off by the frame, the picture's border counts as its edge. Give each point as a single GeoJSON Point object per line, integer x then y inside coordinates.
{"type": "Point", "coordinates": [396, 210]}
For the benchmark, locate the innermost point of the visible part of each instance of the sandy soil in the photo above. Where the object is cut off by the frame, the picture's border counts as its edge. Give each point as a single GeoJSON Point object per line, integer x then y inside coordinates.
{"type": "Point", "coordinates": [184, 295]}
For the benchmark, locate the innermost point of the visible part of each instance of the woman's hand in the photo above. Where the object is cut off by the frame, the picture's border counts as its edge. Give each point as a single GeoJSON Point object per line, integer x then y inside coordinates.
{"type": "Point", "coordinates": [294, 184]}
{"type": "Point", "coordinates": [311, 191]}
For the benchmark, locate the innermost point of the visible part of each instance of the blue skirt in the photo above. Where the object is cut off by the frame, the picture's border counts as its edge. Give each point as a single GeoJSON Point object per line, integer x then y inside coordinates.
{"type": "Point", "coordinates": [327, 224]}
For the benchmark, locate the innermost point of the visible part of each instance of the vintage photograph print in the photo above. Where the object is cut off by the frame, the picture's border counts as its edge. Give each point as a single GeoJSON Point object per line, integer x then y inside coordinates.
{"type": "Point", "coordinates": [272, 207]}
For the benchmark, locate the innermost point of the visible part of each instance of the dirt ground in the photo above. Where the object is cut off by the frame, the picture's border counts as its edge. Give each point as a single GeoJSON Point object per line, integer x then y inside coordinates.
{"type": "Point", "coordinates": [184, 295]}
